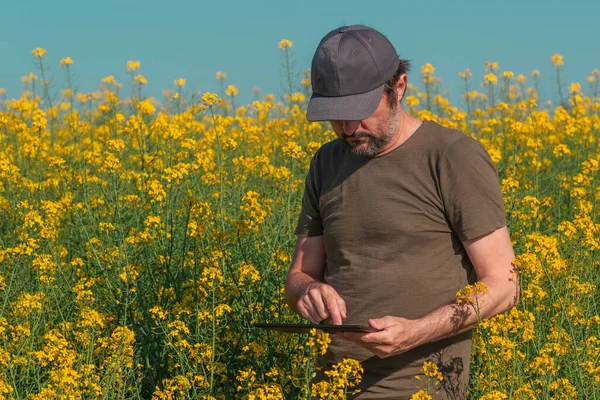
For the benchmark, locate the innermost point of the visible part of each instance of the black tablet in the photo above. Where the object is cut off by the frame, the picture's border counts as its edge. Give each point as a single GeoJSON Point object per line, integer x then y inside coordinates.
{"type": "Point", "coordinates": [305, 328]}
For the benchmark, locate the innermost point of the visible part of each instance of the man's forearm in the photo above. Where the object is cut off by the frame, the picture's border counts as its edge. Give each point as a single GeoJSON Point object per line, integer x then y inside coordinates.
{"type": "Point", "coordinates": [466, 313]}
{"type": "Point", "coordinates": [492, 256]}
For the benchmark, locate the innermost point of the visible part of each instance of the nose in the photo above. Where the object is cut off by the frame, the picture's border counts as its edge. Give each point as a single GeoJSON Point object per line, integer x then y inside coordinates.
{"type": "Point", "coordinates": [349, 127]}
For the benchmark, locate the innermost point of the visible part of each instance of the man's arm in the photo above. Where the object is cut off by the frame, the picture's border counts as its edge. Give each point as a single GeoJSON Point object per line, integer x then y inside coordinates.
{"type": "Point", "coordinates": [492, 257]}
{"type": "Point", "coordinates": [305, 292]}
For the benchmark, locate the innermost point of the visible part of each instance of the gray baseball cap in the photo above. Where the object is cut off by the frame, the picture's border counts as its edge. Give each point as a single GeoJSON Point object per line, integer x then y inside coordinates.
{"type": "Point", "coordinates": [349, 70]}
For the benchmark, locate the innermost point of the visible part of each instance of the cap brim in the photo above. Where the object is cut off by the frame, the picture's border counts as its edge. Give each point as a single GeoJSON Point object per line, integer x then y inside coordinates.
{"type": "Point", "coordinates": [347, 108]}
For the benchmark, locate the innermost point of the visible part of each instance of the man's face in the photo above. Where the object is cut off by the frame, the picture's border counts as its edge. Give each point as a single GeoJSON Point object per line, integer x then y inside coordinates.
{"type": "Point", "coordinates": [369, 136]}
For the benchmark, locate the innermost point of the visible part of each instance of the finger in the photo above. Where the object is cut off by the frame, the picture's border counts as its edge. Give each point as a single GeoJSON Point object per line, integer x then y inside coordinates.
{"type": "Point", "coordinates": [342, 307]}
{"type": "Point", "coordinates": [334, 312]}
{"type": "Point", "coordinates": [377, 338]}
{"type": "Point", "coordinates": [308, 311]}
{"type": "Point", "coordinates": [374, 339]}
{"type": "Point", "coordinates": [379, 323]}
{"type": "Point", "coordinates": [317, 303]}
{"type": "Point", "coordinates": [332, 302]}
{"type": "Point", "coordinates": [305, 311]}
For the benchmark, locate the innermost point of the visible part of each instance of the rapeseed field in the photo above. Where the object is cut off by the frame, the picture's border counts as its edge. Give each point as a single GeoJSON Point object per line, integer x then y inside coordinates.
{"type": "Point", "coordinates": [141, 238]}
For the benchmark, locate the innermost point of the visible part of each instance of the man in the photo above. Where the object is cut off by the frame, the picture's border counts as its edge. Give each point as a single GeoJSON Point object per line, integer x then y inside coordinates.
{"type": "Point", "coordinates": [397, 216]}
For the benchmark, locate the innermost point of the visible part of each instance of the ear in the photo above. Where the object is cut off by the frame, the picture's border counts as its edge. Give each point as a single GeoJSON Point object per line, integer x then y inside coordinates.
{"type": "Point", "coordinates": [401, 87]}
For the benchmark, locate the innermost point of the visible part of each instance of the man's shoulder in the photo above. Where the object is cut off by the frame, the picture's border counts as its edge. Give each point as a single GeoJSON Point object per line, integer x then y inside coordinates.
{"type": "Point", "coordinates": [331, 150]}
{"type": "Point", "coordinates": [441, 138]}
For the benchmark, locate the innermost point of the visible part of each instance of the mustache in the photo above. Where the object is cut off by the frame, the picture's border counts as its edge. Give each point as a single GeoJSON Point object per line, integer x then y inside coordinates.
{"type": "Point", "coordinates": [358, 134]}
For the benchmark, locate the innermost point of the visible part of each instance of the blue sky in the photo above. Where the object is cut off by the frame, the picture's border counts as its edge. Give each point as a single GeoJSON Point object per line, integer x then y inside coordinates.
{"type": "Point", "coordinates": [195, 39]}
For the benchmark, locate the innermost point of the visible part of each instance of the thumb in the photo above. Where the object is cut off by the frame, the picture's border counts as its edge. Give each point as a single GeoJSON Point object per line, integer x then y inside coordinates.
{"type": "Point", "coordinates": [377, 323]}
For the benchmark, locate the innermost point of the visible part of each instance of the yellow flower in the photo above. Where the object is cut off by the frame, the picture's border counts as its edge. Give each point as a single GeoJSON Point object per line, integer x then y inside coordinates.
{"type": "Point", "coordinates": [82, 97]}
{"type": "Point", "coordinates": [306, 80]}
{"type": "Point", "coordinates": [525, 393]}
{"type": "Point", "coordinates": [133, 65]}
{"type": "Point", "coordinates": [141, 79]}
{"type": "Point", "coordinates": [470, 294]}
{"type": "Point", "coordinates": [255, 213]}
{"type": "Point", "coordinates": [179, 82]}
{"type": "Point", "coordinates": [561, 150]}
{"type": "Point", "coordinates": [109, 80]}
{"type": "Point", "coordinates": [38, 52]}
{"type": "Point", "coordinates": [28, 79]}
{"type": "Point", "coordinates": [491, 66]}
{"type": "Point", "coordinates": [66, 61]}
{"type": "Point", "coordinates": [158, 313]}
{"type": "Point", "coordinates": [421, 395]}
{"type": "Point", "coordinates": [557, 60]}
{"type": "Point", "coordinates": [495, 154]}
{"type": "Point", "coordinates": [412, 101]}
{"type": "Point", "coordinates": [246, 377]}
{"type": "Point", "coordinates": [285, 44]}
{"type": "Point", "coordinates": [535, 73]}
{"type": "Point", "coordinates": [5, 388]}
{"type": "Point", "coordinates": [29, 303]}
{"type": "Point", "coordinates": [221, 75]}
{"type": "Point", "coordinates": [130, 273]}
{"type": "Point", "coordinates": [297, 97]}
{"type": "Point", "coordinates": [563, 389]}
{"type": "Point", "coordinates": [210, 99]}
{"type": "Point", "coordinates": [293, 150]}
{"type": "Point", "coordinates": [495, 395]}
{"type": "Point", "coordinates": [466, 74]}
{"type": "Point", "coordinates": [427, 69]}
{"type": "Point", "coordinates": [528, 104]}
{"type": "Point", "coordinates": [575, 88]}
{"type": "Point", "coordinates": [231, 91]}
{"type": "Point", "coordinates": [146, 108]}
{"type": "Point", "coordinates": [431, 370]}
{"type": "Point", "coordinates": [491, 78]}
{"type": "Point", "coordinates": [342, 376]}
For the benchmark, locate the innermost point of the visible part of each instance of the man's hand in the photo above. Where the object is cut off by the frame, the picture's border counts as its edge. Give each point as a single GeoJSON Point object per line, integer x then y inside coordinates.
{"type": "Point", "coordinates": [305, 291]}
{"type": "Point", "coordinates": [397, 336]}
{"type": "Point", "coordinates": [320, 301]}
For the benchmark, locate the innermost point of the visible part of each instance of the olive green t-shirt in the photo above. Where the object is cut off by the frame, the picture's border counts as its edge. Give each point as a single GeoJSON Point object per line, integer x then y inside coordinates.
{"type": "Point", "coordinates": [393, 227]}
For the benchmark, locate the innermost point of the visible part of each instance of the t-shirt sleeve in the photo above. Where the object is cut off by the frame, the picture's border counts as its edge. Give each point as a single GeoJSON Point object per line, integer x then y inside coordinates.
{"type": "Point", "coordinates": [470, 189]}
{"type": "Point", "coordinates": [309, 221]}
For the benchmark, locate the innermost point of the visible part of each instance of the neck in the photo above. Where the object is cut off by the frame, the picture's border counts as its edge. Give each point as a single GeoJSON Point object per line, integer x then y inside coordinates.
{"type": "Point", "coordinates": [406, 128]}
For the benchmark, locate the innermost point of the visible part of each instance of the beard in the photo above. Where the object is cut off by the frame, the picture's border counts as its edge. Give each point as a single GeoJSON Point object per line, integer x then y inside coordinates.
{"type": "Point", "coordinates": [371, 144]}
